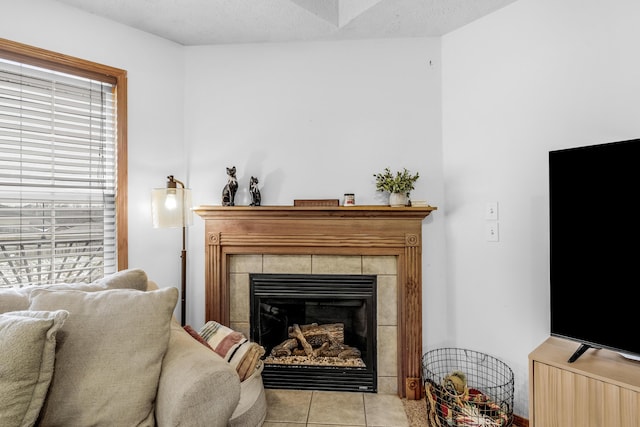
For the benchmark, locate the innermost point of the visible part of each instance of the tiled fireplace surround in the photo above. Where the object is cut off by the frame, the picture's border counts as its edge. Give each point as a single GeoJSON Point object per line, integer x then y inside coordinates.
{"type": "Point", "coordinates": [385, 267]}
{"type": "Point", "coordinates": [376, 240]}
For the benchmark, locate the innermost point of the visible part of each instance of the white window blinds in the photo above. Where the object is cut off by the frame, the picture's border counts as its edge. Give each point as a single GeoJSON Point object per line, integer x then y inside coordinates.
{"type": "Point", "coordinates": [57, 177]}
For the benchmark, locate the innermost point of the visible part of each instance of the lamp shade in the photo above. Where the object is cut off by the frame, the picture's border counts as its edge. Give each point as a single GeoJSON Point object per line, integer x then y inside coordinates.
{"type": "Point", "coordinates": [171, 207]}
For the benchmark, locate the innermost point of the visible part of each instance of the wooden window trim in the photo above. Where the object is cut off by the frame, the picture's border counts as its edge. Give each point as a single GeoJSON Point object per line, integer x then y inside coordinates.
{"type": "Point", "coordinates": [69, 64]}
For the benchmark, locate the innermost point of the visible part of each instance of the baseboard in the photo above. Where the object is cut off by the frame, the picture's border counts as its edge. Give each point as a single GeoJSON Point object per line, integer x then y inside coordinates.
{"type": "Point", "coordinates": [520, 422]}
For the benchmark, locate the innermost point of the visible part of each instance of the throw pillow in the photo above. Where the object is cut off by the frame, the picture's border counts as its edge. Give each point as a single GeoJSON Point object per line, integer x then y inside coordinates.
{"type": "Point", "coordinates": [233, 347]}
{"type": "Point", "coordinates": [109, 355]}
{"type": "Point", "coordinates": [27, 356]}
{"type": "Point", "coordinates": [11, 299]}
{"type": "Point", "coordinates": [196, 336]}
{"type": "Point", "coordinates": [133, 278]}
{"type": "Point", "coordinates": [14, 299]}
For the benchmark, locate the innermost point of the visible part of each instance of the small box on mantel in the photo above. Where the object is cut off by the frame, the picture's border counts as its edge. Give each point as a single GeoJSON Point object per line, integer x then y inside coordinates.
{"type": "Point", "coordinates": [316, 202]}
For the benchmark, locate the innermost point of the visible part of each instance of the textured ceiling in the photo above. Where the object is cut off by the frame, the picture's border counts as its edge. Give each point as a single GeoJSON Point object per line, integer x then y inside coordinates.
{"type": "Point", "coordinates": [204, 22]}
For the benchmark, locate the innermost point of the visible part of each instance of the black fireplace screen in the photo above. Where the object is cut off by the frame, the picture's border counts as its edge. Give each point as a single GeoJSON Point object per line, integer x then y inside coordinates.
{"type": "Point", "coordinates": [318, 330]}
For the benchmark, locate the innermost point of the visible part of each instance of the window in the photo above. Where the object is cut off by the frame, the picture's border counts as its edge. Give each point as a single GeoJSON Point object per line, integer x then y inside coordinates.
{"type": "Point", "coordinates": [63, 172]}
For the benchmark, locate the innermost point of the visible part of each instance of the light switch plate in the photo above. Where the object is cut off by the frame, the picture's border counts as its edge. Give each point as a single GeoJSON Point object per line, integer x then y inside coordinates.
{"type": "Point", "coordinates": [491, 231]}
{"type": "Point", "coordinates": [491, 211]}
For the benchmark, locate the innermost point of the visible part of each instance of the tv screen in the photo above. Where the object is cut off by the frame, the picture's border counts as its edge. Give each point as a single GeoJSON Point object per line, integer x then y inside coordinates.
{"type": "Point", "coordinates": [594, 245]}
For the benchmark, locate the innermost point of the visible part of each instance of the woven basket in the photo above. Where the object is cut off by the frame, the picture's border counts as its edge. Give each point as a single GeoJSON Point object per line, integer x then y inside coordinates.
{"type": "Point", "coordinates": [466, 388]}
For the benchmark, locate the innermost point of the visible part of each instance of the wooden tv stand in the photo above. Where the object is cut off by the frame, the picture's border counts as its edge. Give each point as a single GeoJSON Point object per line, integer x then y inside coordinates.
{"type": "Point", "coordinates": [600, 389]}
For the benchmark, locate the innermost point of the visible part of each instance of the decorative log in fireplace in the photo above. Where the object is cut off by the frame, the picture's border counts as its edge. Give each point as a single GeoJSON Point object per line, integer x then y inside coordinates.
{"type": "Point", "coordinates": [314, 343]}
{"type": "Point", "coordinates": [352, 230]}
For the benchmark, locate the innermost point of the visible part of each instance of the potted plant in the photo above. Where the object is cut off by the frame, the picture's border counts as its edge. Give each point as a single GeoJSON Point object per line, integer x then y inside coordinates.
{"type": "Point", "coordinates": [398, 185]}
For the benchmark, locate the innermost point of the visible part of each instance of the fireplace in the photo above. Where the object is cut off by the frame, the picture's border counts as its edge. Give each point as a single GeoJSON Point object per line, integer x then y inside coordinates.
{"type": "Point", "coordinates": [311, 233]}
{"type": "Point", "coordinates": [318, 330]}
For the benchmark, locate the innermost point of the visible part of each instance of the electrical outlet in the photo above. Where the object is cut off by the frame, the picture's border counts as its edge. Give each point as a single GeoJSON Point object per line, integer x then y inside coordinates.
{"type": "Point", "coordinates": [491, 231]}
{"type": "Point", "coordinates": [491, 211]}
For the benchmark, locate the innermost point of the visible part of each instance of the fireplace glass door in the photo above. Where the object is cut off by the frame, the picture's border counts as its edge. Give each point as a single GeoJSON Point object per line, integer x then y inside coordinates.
{"type": "Point", "coordinates": [318, 330]}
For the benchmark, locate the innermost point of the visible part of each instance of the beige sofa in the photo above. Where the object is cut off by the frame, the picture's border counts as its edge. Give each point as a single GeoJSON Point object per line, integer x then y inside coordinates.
{"type": "Point", "coordinates": [111, 353]}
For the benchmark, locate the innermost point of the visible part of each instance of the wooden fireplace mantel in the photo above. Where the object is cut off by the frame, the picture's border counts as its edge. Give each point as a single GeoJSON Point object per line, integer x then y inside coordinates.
{"type": "Point", "coordinates": [340, 230]}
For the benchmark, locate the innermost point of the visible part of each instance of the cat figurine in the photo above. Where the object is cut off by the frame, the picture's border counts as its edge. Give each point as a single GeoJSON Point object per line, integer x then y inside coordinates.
{"type": "Point", "coordinates": [229, 190]}
{"type": "Point", "coordinates": [254, 191]}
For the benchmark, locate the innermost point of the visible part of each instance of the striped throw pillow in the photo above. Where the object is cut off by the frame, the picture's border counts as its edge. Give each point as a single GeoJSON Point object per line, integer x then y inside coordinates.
{"type": "Point", "coordinates": [233, 347]}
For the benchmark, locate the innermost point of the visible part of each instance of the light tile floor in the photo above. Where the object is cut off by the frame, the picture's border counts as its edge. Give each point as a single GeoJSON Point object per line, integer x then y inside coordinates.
{"type": "Point", "coordinates": [300, 408]}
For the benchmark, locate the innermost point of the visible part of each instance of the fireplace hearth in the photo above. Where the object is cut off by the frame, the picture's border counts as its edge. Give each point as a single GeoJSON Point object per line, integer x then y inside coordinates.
{"type": "Point", "coordinates": [318, 330]}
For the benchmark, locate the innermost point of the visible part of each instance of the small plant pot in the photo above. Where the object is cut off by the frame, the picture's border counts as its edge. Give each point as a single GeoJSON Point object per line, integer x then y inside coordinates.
{"type": "Point", "coordinates": [398, 200]}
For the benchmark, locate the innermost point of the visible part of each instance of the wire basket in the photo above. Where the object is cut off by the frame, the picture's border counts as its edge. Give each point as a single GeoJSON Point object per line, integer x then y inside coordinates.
{"type": "Point", "coordinates": [465, 388]}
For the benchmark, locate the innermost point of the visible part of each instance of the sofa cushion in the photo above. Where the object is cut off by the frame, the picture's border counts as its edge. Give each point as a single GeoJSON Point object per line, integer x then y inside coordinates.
{"type": "Point", "coordinates": [109, 355]}
{"type": "Point", "coordinates": [14, 299]}
{"type": "Point", "coordinates": [27, 355]}
{"type": "Point", "coordinates": [197, 387]}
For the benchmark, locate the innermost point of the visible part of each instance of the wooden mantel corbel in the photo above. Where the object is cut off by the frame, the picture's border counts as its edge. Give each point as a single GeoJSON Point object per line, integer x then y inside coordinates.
{"type": "Point", "coordinates": [340, 230]}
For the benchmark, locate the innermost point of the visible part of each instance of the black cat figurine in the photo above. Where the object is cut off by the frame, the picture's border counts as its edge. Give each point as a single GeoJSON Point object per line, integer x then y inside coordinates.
{"type": "Point", "coordinates": [256, 199]}
{"type": "Point", "coordinates": [229, 190]}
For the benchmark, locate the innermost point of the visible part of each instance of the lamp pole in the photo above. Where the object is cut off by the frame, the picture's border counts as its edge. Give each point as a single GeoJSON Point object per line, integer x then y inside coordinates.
{"type": "Point", "coordinates": [171, 183]}
{"type": "Point", "coordinates": [183, 302]}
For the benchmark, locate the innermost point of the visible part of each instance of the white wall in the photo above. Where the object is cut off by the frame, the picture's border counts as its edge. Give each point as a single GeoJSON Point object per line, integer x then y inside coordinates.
{"type": "Point", "coordinates": [155, 110]}
{"type": "Point", "coordinates": [315, 120]}
{"type": "Point", "coordinates": [536, 76]}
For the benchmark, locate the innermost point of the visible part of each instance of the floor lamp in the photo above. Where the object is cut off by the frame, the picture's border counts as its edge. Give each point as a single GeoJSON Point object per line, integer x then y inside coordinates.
{"type": "Point", "coordinates": [171, 208]}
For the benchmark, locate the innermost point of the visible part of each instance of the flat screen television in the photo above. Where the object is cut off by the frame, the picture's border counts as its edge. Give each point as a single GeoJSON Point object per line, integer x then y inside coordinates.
{"type": "Point", "coordinates": [595, 246]}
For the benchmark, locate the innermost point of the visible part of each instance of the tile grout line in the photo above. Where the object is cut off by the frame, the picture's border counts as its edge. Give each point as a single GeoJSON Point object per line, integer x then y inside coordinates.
{"type": "Point", "coordinates": [313, 393]}
{"type": "Point", "coordinates": [364, 409]}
